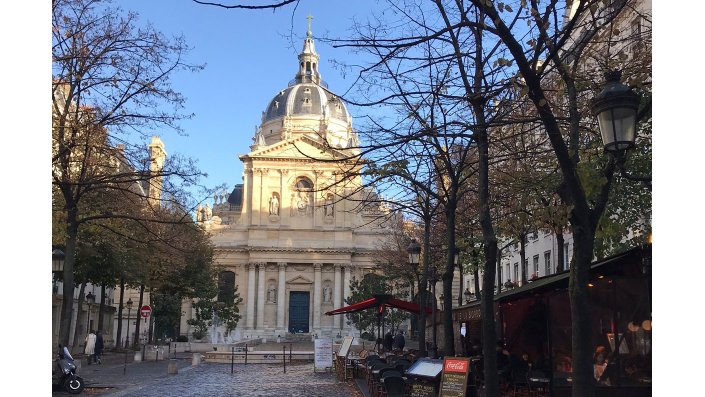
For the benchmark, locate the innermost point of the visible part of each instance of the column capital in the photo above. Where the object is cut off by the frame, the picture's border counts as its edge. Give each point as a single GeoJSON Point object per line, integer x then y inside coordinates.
{"type": "Point", "coordinates": [282, 265]}
{"type": "Point", "coordinates": [251, 266]}
{"type": "Point", "coordinates": [317, 266]}
{"type": "Point", "coordinates": [337, 266]}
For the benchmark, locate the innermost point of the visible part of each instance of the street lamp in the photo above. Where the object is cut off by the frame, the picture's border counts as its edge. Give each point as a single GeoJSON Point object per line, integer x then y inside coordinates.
{"type": "Point", "coordinates": [128, 304]}
{"type": "Point", "coordinates": [90, 298]}
{"type": "Point", "coordinates": [414, 251]}
{"type": "Point", "coordinates": [616, 110]}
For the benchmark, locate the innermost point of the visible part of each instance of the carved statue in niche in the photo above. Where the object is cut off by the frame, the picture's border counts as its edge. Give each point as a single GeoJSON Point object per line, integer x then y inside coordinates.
{"type": "Point", "coordinates": [272, 294]}
{"type": "Point", "coordinates": [328, 206]}
{"type": "Point", "coordinates": [302, 202]}
{"type": "Point", "coordinates": [327, 294]}
{"type": "Point", "coordinates": [274, 205]}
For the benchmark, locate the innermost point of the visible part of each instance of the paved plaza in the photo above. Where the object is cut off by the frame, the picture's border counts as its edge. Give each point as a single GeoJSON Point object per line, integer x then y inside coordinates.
{"type": "Point", "coordinates": [145, 379]}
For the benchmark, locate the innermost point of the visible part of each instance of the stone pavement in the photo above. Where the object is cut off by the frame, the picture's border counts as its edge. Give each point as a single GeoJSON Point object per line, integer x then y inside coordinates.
{"type": "Point", "coordinates": [150, 378]}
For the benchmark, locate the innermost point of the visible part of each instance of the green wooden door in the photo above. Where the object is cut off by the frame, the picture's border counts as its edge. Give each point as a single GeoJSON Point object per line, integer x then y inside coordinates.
{"type": "Point", "coordinates": [298, 312]}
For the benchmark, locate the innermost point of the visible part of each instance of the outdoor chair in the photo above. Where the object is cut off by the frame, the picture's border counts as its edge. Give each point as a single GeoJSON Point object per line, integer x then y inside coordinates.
{"type": "Point", "coordinates": [394, 386]}
{"type": "Point", "coordinates": [402, 367]}
{"type": "Point", "coordinates": [371, 376]}
{"type": "Point", "coordinates": [520, 382]}
{"type": "Point", "coordinates": [379, 378]}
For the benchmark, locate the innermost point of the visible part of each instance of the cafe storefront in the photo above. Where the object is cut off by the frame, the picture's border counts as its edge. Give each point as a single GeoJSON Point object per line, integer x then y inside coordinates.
{"type": "Point", "coordinates": [535, 320]}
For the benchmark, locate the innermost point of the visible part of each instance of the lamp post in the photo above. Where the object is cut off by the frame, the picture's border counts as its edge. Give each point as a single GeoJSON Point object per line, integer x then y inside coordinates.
{"type": "Point", "coordinates": [128, 304]}
{"type": "Point", "coordinates": [616, 110]}
{"type": "Point", "coordinates": [414, 251]}
{"type": "Point", "coordinates": [456, 263]}
{"type": "Point", "coordinates": [57, 267]}
{"type": "Point", "coordinates": [434, 279]}
{"type": "Point", "coordinates": [90, 298]}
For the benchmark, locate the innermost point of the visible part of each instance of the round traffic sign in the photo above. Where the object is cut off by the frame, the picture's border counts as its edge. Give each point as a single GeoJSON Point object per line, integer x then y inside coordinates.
{"type": "Point", "coordinates": [145, 311]}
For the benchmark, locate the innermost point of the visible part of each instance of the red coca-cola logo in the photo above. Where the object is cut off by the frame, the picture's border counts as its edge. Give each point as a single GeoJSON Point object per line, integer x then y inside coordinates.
{"type": "Point", "coordinates": [456, 366]}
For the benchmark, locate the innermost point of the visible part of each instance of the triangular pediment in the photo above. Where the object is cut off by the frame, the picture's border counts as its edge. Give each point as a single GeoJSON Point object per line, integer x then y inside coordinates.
{"type": "Point", "coordinates": [300, 280]}
{"type": "Point", "coordinates": [301, 147]}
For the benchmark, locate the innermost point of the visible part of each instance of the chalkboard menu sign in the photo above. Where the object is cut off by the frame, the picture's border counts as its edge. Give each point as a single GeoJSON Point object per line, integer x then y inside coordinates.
{"type": "Point", "coordinates": [454, 379]}
{"type": "Point", "coordinates": [420, 389]}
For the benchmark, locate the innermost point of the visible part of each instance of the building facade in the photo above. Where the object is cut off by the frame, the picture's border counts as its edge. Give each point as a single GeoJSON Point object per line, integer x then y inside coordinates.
{"type": "Point", "coordinates": [301, 226]}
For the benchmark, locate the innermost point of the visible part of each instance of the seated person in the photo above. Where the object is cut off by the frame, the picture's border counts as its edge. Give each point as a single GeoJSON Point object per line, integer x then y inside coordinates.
{"type": "Point", "coordinates": [602, 369]}
{"type": "Point", "coordinates": [502, 358]}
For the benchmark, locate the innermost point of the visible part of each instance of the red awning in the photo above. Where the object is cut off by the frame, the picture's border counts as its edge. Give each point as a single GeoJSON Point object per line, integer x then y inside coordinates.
{"type": "Point", "coordinates": [380, 302]}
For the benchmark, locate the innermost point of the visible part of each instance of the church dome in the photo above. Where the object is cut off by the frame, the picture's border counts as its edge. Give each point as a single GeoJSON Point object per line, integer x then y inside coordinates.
{"type": "Point", "coordinates": [306, 107]}
{"type": "Point", "coordinates": [306, 99]}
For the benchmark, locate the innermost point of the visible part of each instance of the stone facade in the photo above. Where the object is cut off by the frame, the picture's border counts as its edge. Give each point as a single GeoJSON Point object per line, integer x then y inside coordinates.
{"type": "Point", "coordinates": [300, 226]}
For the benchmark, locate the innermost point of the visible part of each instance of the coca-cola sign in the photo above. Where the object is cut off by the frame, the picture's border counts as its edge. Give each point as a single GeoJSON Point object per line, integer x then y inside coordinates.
{"type": "Point", "coordinates": [454, 379]}
{"type": "Point", "coordinates": [453, 365]}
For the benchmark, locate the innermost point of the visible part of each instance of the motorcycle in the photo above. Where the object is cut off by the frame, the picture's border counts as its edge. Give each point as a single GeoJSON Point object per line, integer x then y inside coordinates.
{"type": "Point", "coordinates": [67, 377]}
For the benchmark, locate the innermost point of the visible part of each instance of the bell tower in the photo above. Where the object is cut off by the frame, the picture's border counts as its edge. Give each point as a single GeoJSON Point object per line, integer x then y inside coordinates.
{"type": "Point", "coordinates": [308, 60]}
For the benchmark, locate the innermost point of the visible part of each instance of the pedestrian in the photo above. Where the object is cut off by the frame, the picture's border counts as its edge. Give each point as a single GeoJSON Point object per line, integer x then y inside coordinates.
{"type": "Point", "coordinates": [399, 341]}
{"type": "Point", "coordinates": [98, 347]}
{"type": "Point", "coordinates": [90, 346]}
{"type": "Point", "coordinates": [388, 341]}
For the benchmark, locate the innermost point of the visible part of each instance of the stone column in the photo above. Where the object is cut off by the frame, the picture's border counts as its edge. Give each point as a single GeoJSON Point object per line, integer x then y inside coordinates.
{"type": "Point", "coordinates": [346, 282]}
{"type": "Point", "coordinates": [346, 288]}
{"type": "Point", "coordinates": [317, 297]}
{"type": "Point", "coordinates": [261, 298]}
{"type": "Point", "coordinates": [250, 315]}
{"type": "Point", "coordinates": [337, 296]}
{"type": "Point", "coordinates": [281, 296]}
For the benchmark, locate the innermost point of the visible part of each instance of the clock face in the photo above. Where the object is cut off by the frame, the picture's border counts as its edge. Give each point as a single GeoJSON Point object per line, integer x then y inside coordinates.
{"type": "Point", "coordinates": [302, 204]}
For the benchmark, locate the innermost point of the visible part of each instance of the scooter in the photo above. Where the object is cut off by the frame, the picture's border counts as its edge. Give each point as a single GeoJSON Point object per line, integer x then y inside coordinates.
{"type": "Point", "coordinates": [67, 377]}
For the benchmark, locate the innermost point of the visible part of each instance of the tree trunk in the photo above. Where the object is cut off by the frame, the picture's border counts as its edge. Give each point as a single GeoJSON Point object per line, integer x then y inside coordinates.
{"type": "Point", "coordinates": [423, 296]}
{"type": "Point", "coordinates": [78, 327]}
{"type": "Point", "coordinates": [150, 333]}
{"type": "Point", "coordinates": [489, 336]}
{"type": "Point", "coordinates": [100, 309]}
{"type": "Point", "coordinates": [582, 344]}
{"type": "Point", "coordinates": [118, 337]}
{"type": "Point", "coordinates": [478, 290]}
{"type": "Point", "coordinates": [68, 287]}
{"type": "Point", "coordinates": [448, 328]}
{"type": "Point", "coordinates": [522, 254]}
{"type": "Point", "coordinates": [138, 322]}
{"type": "Point", "coordinates": [560, 242]}
{"type": "Point", "coordinates": [499, 270]}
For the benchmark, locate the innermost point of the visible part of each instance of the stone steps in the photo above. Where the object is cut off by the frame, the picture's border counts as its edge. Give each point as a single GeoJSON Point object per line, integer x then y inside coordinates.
{"type": "Point", "coordinates": [258, 357]}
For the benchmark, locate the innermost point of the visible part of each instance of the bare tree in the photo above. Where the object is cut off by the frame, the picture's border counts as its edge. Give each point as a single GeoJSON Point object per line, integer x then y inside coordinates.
{"type": "Point", "coordinates": [111, 79]}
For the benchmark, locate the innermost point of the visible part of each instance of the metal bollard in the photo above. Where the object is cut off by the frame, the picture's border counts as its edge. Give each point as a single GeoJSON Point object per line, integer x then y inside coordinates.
{"type": "Point", "coordinates": [284, 357]}
{"type": "Point", "coordinates": [245, 353]}
{"type": "Point", "coordinates": [172, 368]}
{"type": "Point", "coordinates": [289, 353]}
{"type": "Point", "coordinates": [232, 360]}
{"type": "Point", "coordinates": [196, 359]}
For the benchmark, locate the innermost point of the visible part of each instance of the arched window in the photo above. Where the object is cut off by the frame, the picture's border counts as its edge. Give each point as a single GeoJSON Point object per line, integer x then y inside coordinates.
{"type": "Point", "coordinates": [226, 287]}
{"type": "Point", "coordinates": [303, 183]}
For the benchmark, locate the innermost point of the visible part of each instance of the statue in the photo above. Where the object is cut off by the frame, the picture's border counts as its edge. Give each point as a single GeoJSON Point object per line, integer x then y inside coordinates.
{"type": "Point", "coordinates": [274, 205]}
{"type": "Point", "coordinates": [199, 215]}
{"type": "Point", "coordinates": [327, 292]}
{"type": "Point", "coordinates": [272, 294]}
{"type": "Point", "coordinates": [208, 213]}
{"type": "Point", "coordinates": [215, 198]}
{"type": "Point", "coordinates": [328, 206]}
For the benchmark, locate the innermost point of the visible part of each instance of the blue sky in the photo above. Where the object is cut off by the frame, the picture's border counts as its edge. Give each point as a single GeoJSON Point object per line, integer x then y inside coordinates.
{"type": "Point", "coordinates": [250, 56]}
